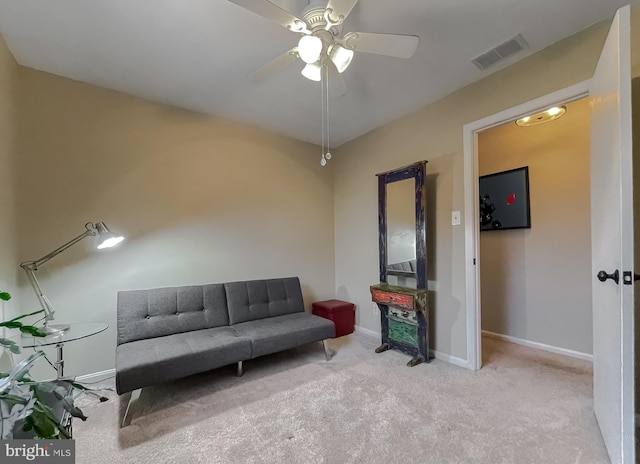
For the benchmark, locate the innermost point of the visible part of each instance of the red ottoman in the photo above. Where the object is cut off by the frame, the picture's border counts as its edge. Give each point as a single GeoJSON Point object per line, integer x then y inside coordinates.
{"type": "Point", "coordinates": [342, 313]}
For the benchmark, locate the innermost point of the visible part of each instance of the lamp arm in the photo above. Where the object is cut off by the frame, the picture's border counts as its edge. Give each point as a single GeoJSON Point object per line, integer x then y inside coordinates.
{"type": "Point", "coordinates": [90, 230]}
{"type": "Point", "coordinates": [44, 301]}
{"type": "Point", "coordinates": [30, 267]}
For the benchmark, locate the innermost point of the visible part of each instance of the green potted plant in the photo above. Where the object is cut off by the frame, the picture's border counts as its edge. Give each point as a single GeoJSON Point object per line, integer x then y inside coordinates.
{"type": "Point", "coordinates": [27, 406]}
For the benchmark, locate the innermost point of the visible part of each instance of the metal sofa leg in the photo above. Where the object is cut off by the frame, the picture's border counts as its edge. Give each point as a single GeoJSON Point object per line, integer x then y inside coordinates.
{"type": "Point", "coordinates": [135, 394]}
{"type": "Point", "coordinates": [239, 371]}
{"type": "Point", "coordinates": [327, 352]}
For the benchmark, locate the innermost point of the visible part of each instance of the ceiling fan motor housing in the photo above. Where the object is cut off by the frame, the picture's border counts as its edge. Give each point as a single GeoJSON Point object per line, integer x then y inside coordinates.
{"type": "Point", "coordinates": [316, 16]}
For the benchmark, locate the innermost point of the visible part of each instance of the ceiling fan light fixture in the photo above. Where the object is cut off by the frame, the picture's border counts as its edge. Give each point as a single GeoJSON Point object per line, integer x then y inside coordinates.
{"type": "Point", "coordinates": [310, 48]}
{"type": "Point", "coordinates": [313, 72]}
{"type": "Point", "coordinates": [341, 57]}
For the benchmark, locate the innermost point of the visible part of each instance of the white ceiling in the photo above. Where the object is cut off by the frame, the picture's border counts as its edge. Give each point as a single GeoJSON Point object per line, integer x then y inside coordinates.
{"type": "Point", "coordinates": [196, 54]}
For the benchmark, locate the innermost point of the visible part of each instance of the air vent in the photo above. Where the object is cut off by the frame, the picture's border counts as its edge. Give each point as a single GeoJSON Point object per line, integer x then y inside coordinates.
{"type": "Point", "coordinates": [500, 52]}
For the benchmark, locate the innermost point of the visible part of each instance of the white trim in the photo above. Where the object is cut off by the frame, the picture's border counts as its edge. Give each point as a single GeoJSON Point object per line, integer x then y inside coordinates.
{"type": "Point", "coordinates": [433, 353]}
{"type": "Point", "coordinates": [539, 346]}
{"type": "Point", "coordinates": [472, 228]}
{"type": "Point", "coordinates": [367, 332]}
{"type": "Point", "coordinates": [471, 239]}
{"type": "Point", "coordinates": [97, 376]}
{"type": "Point", "coordinates": [450, 359]}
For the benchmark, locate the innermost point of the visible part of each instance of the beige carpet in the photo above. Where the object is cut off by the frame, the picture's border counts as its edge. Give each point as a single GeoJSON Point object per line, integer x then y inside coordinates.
{"type": "Point", "coordinates": [523, 406]}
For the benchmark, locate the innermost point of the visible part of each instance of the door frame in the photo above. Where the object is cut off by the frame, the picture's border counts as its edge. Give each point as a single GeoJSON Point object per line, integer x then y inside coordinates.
{"type": "Point", "coordinates": [471, 206]}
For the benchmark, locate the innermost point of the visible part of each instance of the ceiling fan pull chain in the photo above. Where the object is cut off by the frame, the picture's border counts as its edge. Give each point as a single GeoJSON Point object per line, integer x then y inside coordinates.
{"type": "Point", "coordinates": [323, 160]}
{"type": "Point", "coordinates": [326, 95]}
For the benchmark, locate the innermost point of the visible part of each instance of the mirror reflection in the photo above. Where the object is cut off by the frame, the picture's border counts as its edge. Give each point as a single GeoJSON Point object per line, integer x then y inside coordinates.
{"type": "Point", "coordinates": [401, 233]}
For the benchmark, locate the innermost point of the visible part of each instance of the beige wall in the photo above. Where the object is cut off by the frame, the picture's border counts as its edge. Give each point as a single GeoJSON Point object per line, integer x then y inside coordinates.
{"type": "Point", "coordinates": [536, 283]}
{"type": "Point", "coordinates": [199, 199]}
{"type": "Point", "coordinates": [8, 268]}
{"type": "Point", "coordinates": [434, 133]}
{"type": "Point", "coordinates": [8, 69]}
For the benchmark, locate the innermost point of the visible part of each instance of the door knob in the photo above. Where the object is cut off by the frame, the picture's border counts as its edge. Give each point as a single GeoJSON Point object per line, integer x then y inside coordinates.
{"type": "Point", "coordinates": [603, 276]}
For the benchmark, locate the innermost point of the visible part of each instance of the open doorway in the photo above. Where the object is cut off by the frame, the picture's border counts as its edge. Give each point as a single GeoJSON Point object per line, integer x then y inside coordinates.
{"type": "Point", "coordinates": [535, 283]}
{"type": "Point", "coordinates": [472, 233]}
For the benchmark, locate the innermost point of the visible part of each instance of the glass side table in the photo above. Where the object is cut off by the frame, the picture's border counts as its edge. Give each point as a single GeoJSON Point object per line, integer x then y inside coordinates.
{"type": "Point", "coordinates": [74, 332]}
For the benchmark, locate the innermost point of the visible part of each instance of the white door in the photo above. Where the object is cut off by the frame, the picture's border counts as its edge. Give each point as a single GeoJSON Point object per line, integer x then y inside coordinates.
{"type": "Point", "coordinates": [612, 241]}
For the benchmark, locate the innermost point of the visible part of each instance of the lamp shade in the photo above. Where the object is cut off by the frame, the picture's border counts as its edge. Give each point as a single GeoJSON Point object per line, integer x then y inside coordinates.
{"type": "Point", "coordinates": [310, 48]}
{"type": "Point", "coordinates": [312, 72]}
{"type": "Point", "coordinates": [341, 57]}
{"type": "Point", "coordinates": [106, 238]}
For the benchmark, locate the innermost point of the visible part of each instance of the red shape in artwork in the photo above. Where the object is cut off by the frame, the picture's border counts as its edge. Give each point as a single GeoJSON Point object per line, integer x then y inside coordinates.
{"type": "Point", "coordinates": [511, 199]}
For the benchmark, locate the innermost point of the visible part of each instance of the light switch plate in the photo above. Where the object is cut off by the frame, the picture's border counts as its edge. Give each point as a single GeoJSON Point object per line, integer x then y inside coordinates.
{"type": "Point", "coordinates": [455, 218]}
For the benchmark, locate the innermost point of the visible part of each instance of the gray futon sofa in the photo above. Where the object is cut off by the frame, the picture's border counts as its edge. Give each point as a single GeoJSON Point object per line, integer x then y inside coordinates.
{"type": "Point", "coordinates": [169, 333]}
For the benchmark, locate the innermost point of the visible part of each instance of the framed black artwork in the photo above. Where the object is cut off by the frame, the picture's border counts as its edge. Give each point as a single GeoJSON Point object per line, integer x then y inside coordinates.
{"type": "Point", "coordinates": [504, 200]}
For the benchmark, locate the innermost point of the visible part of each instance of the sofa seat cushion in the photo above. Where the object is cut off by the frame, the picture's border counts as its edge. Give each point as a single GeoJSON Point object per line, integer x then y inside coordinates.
{"type": "Point", "coordinates": [279, 333]}
{"type": "Point", "coordinates": [155, 360]}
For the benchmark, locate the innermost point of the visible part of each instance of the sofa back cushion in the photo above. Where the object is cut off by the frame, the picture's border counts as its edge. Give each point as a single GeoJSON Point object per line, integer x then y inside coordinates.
{"type": "Point", "coordinates": [163, 311]}
{"type": "Point", "coordinates": [258, 299]}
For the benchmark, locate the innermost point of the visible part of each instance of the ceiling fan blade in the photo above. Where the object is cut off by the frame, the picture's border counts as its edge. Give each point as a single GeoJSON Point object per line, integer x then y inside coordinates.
{"type": "Point", "coordinates": [340, 8]}
{"type": "Point", "coordinates": [274, 13]}
{"type": "Point", "coordinates": [337, 85]}
{"type": "Point", "coordinates": [274, 66]}
{"type": "Point", "coordinates": [400, 46]}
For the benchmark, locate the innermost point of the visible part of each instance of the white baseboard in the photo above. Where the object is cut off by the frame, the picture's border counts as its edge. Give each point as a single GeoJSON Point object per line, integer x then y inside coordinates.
{"type": "Point", "coordinates": [435, 354]}
{"type": "Point", "coordinates": [97, 376]}
{"type": "Point", "coordinates": [450, 359]}
{"type": "Point", "coordinates": [539, 346]}
{"type": "Point", "coordinates": [367, 332]}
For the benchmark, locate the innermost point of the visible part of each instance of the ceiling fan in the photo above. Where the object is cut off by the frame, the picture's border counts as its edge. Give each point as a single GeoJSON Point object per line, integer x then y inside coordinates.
{"type": "Point", "coordinates": [322, 46]}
